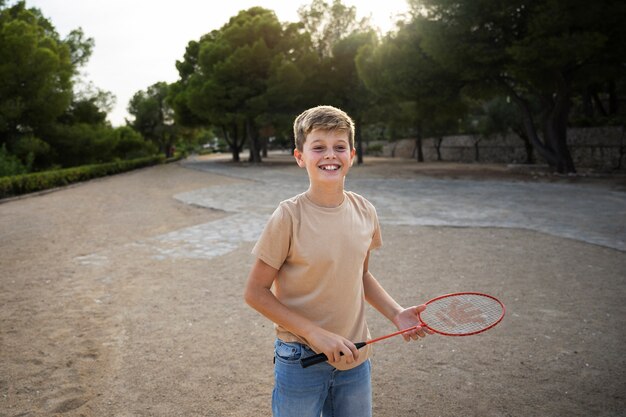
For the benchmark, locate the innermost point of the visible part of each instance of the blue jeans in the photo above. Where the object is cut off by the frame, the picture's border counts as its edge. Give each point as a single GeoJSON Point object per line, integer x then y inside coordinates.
{"type": "Point", "coordinates": [319, 389]}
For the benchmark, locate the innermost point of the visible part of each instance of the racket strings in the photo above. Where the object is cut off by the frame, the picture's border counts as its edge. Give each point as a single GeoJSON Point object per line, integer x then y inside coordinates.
{"type": "Point", "coordinates": [462, 314]}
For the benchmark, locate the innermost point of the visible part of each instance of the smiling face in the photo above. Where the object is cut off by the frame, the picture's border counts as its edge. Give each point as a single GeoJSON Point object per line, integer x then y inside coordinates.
{"type": "Point", "coordinates": [327, 156]}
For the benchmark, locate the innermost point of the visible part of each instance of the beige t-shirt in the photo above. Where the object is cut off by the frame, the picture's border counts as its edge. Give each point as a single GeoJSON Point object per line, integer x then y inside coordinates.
{"type": "Point", "coordinates": [319, 254]}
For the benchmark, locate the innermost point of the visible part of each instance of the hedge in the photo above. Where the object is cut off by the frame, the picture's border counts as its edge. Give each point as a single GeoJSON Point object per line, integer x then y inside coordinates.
{"type": "Point", "coordinates": [28, 183]}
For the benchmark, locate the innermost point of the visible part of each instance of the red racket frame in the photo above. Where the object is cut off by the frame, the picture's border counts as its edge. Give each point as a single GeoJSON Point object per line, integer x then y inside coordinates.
{"type": "Point", "coordinates": [320, 357]}
{"type": "Point", "coordinates": [423, 324]}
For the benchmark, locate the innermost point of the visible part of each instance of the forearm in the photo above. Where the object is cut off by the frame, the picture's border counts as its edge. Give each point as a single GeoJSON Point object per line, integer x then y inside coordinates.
{"type": "Point", "coordinates": [259, 296]}
{"type": "Point", "coordinates": [334, 346]}
{"type": "Point", "coordinates": [265, 302]}
{"type": "Point", "coordinates": [378, 298]}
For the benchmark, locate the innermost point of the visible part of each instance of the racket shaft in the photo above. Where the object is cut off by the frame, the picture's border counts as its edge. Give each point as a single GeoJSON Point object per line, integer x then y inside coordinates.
{"type": "Point", "coordinates": [320, 357]}
{"type": "Point", "coordinates": [378, 339]}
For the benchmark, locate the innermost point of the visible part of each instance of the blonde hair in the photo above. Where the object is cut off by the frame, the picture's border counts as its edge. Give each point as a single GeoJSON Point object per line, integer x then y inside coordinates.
{"type": "Point", "coordinates": [323, 118]}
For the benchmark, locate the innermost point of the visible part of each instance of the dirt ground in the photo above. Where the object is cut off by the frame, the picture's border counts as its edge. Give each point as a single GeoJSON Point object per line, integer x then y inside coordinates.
{"type": "Point", "coordinates": [93, 322]}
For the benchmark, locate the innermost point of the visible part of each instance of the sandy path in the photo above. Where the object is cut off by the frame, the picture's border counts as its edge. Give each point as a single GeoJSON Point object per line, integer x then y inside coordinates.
{"type": "Point", "coordinates": [109, 307]}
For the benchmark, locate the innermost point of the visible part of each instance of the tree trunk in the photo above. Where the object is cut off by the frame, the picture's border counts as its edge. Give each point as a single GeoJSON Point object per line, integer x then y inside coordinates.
{"type": "Point", "coordinates": [253, 141]}
{"type": "Point", "coordinates": [477, 140]}
{"type": "Point", "coordinates": [556, 128]}
{"type": "Point", "coordinates": [556, 136]}
{"type": "Point", "coordinates": [554, 146]}
{"type": "Point", "coordinates": [418, 142]}
{"type": "Point", "coordinates": [438, 142]}
{"type": "Point", "coordinates": [531, 131]}
{"type": "Point", "coordinates": [528, 146]}
{"type": "Point", "coordinates": [232, 143]}
{"type": "Point", "coordinates": [359, 142]}
{"type": "Point", "coordinates": [235, 153]}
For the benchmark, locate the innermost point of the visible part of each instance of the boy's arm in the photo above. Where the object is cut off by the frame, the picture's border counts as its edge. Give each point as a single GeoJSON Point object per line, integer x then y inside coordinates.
{"type": "Point", "coordinates": [403, 318]}
{"type": "Point", "coordinates": [259, 296]}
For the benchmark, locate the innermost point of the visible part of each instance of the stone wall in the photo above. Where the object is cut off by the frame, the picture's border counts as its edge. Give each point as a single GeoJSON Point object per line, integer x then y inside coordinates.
{"type": "Point", "coordinates": [598, 148]}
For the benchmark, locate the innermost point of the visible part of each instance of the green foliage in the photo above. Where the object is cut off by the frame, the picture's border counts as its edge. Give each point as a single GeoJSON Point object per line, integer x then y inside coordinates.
{"type": "Point", "coordinates": [329, 23]}
{"type": "Point", "coordinates": [129, 144]}
{"type": "Point", "coordinates": [243, 77]}
{"type": "Point", "coordinates": [154, 117]}
{"type": "Point", "coordinates": [82, 143]}
{"type": "Point", "coordinates": [10, 164]}
{"type": "Point", "coordinates": [36, 70]}
{"type": "Point", "coordinates": [28, 183]}
{"type": "Point", "coordinates": [451, 62]}
{"type": "Point", "coordinates": [43, 121]}
{"type": "Point", "coordinates": [534, 52]}
{"type": "Point", "coordinates": [83, 111]}
{"type": "Point", "coordinates": [80, 47]}
{"type": "Point", "coordinates": [414, 89]}
{"type": "Point", "coordinates": [32, 151]}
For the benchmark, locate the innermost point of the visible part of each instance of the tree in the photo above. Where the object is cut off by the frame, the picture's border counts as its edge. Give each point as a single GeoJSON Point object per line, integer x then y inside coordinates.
{"type": "Point", "coordinates": [501, 117]}
{"type": "Point", "coordinates": [154, 117]}
{"type": "Point", "coordinates": [337, 35]}
{"type": "Point", "coordinates": [294, 83]}
{"type": "Point", "coordinates": [539, 51]}
{"type": "Point", "coordinates": [43, 120]}
{"type": "Point", "coordinates": [36, 70]}
{"type": "Point", "coordinates": [327, 24]}
{"type": "Point", "coordinates": [90, 105]}
{"type": "Point", "coordinates": [231, 77]}
{"type": "Point", "coordinates": [129, 144]}
{"type": "Point", "coordinates": [80, 46]}
{"type": "Point", "coordinates": [348, 89]}
{"type": "Point", "coordinates": [400, 72]}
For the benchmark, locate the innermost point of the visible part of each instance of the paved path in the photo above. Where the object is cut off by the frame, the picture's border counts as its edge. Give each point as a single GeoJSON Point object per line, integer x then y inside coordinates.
{"type": "Point", "coordinates": [592, 214]}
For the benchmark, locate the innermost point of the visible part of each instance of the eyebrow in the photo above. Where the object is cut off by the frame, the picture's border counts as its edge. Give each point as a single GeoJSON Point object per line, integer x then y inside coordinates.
{"type": "Point", "coordinates": [341, 141]}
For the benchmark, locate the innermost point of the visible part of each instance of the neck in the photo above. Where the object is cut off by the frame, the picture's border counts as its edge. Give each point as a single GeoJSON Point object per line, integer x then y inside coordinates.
{"type": "Point", "coordinates": [326, 196]}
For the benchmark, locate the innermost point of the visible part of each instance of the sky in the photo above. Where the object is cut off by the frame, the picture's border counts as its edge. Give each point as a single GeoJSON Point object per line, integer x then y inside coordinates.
{"type": "Point", "coordinates": [137, 42]}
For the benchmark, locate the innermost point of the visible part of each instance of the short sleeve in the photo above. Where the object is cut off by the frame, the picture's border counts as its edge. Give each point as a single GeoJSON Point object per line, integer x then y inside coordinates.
{"type": "Point", "coordinates": [377, 239]}
{"type": "Point", "coordinates": [275, 241]}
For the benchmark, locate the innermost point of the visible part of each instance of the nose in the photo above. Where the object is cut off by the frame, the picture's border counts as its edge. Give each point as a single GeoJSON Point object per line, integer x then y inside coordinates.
{"type": "Point", "coordinates": [330, 154]}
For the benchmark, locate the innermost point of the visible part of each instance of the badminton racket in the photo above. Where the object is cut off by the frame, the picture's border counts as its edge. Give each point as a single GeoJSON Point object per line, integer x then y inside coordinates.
{"type": "Point", "coordinates": [457, 314]}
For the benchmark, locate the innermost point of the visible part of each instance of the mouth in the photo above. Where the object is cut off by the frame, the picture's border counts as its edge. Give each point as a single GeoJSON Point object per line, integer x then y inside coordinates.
{"type": "Point", "coordinates": [330, 167]}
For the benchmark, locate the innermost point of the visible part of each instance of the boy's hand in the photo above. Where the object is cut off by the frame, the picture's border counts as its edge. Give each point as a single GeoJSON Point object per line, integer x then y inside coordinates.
{"type": "Point", "coordinates": [333, 345]}
{"type": "Point", "coordinates": [409, 318]}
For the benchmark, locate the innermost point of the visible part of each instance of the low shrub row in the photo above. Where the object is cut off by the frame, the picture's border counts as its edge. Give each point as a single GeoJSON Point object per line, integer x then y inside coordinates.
{"type": "Point", "coordinates": [28, 183]}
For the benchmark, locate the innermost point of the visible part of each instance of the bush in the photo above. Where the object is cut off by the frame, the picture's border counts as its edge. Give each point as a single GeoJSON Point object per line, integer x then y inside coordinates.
{"type": "Point", "coordinates": [28, 183]}
{"type": "Point", "coordinates": [10, 164]}
{"type": "Point", "coordinates": [34, 153]}
{"type": "Point", "coordinates": [131, 145]}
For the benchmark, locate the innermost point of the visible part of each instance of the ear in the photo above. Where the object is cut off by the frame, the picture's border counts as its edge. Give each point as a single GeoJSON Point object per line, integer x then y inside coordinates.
{"type": "Point", "coordinates": [352, 155]}
{"type": "Point", "coordinates": [298, 155]}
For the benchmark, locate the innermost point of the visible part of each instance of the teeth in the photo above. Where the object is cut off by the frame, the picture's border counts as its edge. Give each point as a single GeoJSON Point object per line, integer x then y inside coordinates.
{"type": "Point", "coordinates": [330, 167]}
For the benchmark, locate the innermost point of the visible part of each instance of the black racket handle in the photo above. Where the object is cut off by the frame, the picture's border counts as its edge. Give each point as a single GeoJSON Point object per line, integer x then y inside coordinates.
{"type": "Point", "coordinates": [320, 357]}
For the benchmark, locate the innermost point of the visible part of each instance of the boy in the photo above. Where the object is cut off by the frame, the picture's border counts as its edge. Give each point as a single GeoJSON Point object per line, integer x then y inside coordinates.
{"type": "Point", "coordinates": [314, 252]}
